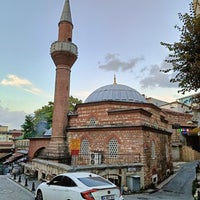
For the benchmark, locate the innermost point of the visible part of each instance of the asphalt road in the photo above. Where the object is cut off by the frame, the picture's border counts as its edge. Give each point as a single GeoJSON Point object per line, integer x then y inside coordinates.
{"type": "Point", "coordinates": [179, 188]}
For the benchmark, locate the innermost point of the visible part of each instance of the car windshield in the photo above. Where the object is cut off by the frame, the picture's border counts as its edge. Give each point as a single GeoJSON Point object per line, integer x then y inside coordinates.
{"type": "Point", "coordinates": [94, 181]}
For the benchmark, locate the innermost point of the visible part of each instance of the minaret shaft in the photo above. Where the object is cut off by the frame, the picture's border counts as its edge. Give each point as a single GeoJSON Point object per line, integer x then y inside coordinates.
{"type": "Point", "coordinates": [65, 31]}
{"type": "Point", "coordinates": [61, 100]}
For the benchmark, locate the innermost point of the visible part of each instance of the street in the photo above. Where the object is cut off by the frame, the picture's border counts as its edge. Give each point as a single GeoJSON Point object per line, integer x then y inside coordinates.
{"type": "Point", "coordinates": [179, 188]}
{"type": "Point", "coordinates": [13, 191]}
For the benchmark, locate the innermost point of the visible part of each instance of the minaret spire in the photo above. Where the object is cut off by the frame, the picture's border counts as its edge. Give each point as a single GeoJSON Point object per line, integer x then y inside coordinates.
{"type": "Point", "coordinates": [66, 13]}
{"type": "Point", "coordinates": [65, 24]}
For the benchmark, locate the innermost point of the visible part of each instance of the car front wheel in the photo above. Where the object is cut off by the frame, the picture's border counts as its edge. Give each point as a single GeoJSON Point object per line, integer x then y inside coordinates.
{"type": "Point", "coordinates": [39, 195]}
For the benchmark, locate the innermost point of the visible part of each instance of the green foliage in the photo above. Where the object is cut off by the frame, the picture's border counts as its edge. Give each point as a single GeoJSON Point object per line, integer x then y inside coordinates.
{"type": "Point", "coordinates": [185, 54]}
{"type": "Point", "coordinates": [44, 114]}
{"type": "Point", "coordinates": [28, 126]}
{"type": "Point", "coordinates": [73, 102]}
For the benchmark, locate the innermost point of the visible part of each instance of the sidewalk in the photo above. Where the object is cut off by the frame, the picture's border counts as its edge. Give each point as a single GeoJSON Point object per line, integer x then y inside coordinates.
{"type": "Point", "coordinates": [24, 181]}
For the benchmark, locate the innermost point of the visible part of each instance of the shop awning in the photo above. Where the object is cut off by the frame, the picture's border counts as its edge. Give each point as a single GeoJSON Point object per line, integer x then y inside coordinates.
{"type": "Point", "coordinates": [6, 156]}
{"type": "Point", "coordinates": [13, 158]}
{"type": "Point", "coordinates": [195, 131]}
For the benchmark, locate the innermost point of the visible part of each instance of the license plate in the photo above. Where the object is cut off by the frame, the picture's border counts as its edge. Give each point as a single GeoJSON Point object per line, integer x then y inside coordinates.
{"type": "Point", "coordinates": [108, 197]}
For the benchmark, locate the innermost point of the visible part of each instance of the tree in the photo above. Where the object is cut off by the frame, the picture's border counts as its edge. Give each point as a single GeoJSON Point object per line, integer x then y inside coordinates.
{"type": "Point", "coordinates": [33, 124]}
{"type": "Point", "coordinates": [44, 114]}
{"type": "Point", "coordinates": [185, 54]}
{"type": "Point", "coordinates": [73, 102]}
{"type": "Point", "coordinates": [28, 126]}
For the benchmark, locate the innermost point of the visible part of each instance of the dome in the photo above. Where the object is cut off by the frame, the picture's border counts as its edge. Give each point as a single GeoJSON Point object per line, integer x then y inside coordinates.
{"type": "Point", "coordinates": [116, 92]}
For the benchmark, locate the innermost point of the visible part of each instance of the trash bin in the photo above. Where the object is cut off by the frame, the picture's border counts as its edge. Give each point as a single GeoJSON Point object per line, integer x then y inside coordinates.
{"type": "Point", "coordinates": [133, 183]}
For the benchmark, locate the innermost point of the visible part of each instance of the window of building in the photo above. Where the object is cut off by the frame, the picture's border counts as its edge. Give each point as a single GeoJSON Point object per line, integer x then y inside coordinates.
{"type": "Point", "coordinates": [84, 147]}
{"type": "Point", "coordinates": [153, 150]}
{"type": "Point", "coordinates": [113, 148]}
{"type": "Point", "coordinates": [92, 121]}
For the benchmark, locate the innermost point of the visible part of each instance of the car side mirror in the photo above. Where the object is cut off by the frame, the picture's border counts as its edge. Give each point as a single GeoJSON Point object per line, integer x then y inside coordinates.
{"type": "Point", "coordinates": [48, 183]}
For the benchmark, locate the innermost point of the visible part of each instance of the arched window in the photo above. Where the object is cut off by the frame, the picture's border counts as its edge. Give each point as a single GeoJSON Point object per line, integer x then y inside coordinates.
{"type": "Point", "coordinates": [84, 147]}
{"type": "Point", "coordinates": [113, 148]}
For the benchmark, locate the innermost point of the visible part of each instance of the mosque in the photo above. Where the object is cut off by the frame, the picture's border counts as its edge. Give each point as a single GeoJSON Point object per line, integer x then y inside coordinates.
{"type": "Point", "coordinates": [115, 133]}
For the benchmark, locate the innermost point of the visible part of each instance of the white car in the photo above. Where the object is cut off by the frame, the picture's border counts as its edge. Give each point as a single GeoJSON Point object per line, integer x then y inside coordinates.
{"type": "Point", "coordinates": [78, 186]}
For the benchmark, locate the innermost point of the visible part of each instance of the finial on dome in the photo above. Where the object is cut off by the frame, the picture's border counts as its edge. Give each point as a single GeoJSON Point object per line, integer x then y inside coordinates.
{"type": "Point", "coordinates": [115, 81]}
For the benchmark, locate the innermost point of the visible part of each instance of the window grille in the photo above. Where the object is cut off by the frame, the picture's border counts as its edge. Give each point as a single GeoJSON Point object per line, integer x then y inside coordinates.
{"type": "Point", "coordinates": [92, 121]}
{"type": "Point", "coordinates": [84, 147]}
{"type": "Point", "coordinates": [113, 148]}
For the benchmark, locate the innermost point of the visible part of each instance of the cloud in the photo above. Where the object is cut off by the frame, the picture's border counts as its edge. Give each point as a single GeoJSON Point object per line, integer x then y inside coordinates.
{"type": "Point", "coordinates": [114, 63]}
{"type": "Point", "coordinates": [12, 119]}
{"type": "Point", "coordinates": [15, 81]}
{"type": "Point", "coordinates": [156, 78]}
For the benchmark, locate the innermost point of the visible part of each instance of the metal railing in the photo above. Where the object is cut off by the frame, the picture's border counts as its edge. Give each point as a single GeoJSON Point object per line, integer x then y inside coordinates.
{"type": "Point", "coordinates": [107, 159]}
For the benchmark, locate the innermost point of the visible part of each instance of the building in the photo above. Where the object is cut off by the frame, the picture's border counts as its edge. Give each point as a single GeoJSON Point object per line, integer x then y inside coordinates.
{"type": "Point", "coordinates": [177, 106]}
{"type": "Point", "coordinates": [156, 102]}
{"type": "Point", "coordinates": [3, 129]}
{"type": "Point", "coordinates": [184, 119]}
{"type": "Point", "coordinates": [181, 126]}
{"type": "Point", "coordinates": [115, 133]}
{"type": "Point", "coordinates": [6, 143]}
{"type": "Point", "coordinates": [16, 133]}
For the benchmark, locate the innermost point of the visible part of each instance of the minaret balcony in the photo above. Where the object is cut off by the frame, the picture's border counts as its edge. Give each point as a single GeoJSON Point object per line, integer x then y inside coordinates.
{"type": "Point", "coordinates": [64, 46]}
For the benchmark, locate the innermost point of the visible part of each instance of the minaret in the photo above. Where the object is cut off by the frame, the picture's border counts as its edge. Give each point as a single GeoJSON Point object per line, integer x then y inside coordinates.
{"type": "Point", "coordinates": [64, 54]}
{"type": "Point", "coordinates": [196, 6]}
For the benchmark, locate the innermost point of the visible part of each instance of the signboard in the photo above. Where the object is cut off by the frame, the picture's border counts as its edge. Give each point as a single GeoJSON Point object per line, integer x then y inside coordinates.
{"type": "Point", "coordinates": [75, 146]}
{"type": "Point", "coordinates": [184, 131]}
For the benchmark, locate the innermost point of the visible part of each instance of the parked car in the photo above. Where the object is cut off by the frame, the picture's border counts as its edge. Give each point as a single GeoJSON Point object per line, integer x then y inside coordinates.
{"type": "Point", "coordinates": [78, 186]}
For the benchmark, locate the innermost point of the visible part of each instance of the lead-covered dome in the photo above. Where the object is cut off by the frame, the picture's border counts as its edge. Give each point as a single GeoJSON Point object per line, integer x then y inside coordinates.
{"type": "Point", "coordinates": [116, 92]}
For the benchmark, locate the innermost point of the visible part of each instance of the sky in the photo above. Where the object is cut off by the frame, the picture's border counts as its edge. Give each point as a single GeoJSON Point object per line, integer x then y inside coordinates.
{"type": "Point", "coordinates": [114, 37]}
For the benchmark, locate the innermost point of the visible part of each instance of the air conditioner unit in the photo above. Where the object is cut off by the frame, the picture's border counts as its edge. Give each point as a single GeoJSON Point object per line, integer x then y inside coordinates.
{"type": "Point", "coordinates": [95, 158]}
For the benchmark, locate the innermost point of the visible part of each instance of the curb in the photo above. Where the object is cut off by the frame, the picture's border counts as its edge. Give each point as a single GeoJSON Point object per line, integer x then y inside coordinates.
{"type": "Point", "coordinates": [31, 187]}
